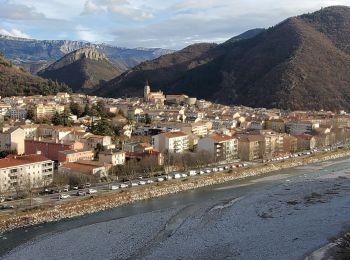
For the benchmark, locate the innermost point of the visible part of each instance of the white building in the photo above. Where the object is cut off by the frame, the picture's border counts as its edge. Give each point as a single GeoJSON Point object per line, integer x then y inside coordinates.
{"type": "Point", "coordinates": [110, 157]}
{"type": "Point", "coordinates": [25, 172]}
{"type": "Point", "coordinates": [173, 142]}
{"type": "Point", "coordinates": [12, 139]}
{"type": "Point", "coordinates": [221, 147]}
{"type": "Point", "coordinates": [300, 127]}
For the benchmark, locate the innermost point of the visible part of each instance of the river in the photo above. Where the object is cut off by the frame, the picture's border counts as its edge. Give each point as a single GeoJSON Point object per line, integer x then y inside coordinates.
{"type": "Point", "coordinates": [283, 215]}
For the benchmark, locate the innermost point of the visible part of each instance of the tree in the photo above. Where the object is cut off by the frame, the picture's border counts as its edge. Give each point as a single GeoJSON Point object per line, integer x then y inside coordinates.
{"type": "Point", "coordinates": [30, 114]}
{"type": "Point", "coordinates": [76, 109]}
{"type": "Point", "coordinates": [57, 119]}
{"type": "Point", "coordinates": [148, 119]}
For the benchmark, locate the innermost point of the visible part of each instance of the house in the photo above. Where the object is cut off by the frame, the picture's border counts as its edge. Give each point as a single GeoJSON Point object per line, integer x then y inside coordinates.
{"type": "Point", "coordinates": [92, 168]}
{"type": "Point", "coordinates": [112, 157]}
{"type": "Point", "coordinates": [221, 147]}
{"type": "Point", "coordinates": [74, 155]}
{"type": "Point", "coordinates": [25, 172]}
{"type": "Point", "coordinates": [50, 148]}
{"type": "Point", "coordinates": [172, 142]}
{"type": "Point", "coordinates": [12, 139]}
{"type": "Point", "coordinates": [47, 111]}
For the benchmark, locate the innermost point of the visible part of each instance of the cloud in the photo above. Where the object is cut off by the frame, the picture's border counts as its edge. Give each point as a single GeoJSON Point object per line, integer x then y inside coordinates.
{"type": "Point", "coordinates": [12, 11]}
{"type": "Point", "coordinates": [123, 8]}
{"type": "Point", "coordinates": [86, 34]}
{"type": "Point", "coordinates": [14, 33]}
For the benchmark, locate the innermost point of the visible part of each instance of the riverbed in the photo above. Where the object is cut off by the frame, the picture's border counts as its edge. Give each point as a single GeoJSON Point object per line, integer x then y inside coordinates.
{"type": "Point", "coordinates": [283, 215]}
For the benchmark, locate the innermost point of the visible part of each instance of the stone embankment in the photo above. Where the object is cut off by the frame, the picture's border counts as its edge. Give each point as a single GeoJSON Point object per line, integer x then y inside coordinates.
{"type": "Point", "coordinates": [75, 208]}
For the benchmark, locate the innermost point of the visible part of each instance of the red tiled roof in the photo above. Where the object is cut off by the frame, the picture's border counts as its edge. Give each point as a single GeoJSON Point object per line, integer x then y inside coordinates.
{"type": "Point", "coordinates": [220, 137]}
{"type": "Point", "coordinates": [12, 160]}
{"type": "Point", "coordinates": [174, 134]}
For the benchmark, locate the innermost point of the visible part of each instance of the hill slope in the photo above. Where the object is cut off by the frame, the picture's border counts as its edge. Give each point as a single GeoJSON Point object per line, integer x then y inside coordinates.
{"type": "Point", "coordinates": [16, 82]}
{"type": "Point", "coordinates": [301, 63]}
{"type": "Point", "coordinates": [35, 55]}
{"type": "Point", "coordinates": [81, 70]}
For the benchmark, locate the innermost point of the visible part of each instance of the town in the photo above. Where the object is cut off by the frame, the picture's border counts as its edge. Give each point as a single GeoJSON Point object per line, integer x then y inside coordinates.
{"type": "Point", "coordinates": [78, 143]}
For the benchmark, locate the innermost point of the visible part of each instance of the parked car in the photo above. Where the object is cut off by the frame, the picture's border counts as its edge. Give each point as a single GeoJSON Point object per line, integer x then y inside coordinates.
{"type": "Point", "coordinates": [168, 177]}
{"type": "Point", "coordinates": [215, 169]}
{"type": "Point", "coordinates": [123, 185]}
{"type": "Point", "coordinates": [208, 171]}
{"type": "Point", "coordinates": [7, 206]}
{"type": "Point", "coordinates": [87, 185]}
{"type": "Point", "coordinates": [66, 188]}
{"type": "Point", "coordinates": [63, 196]}
{"type": "Point", "coordinates": [192, 173]}
{"type": "Point", "coordinates": [221, 169]}
{"type": "Point", "coordinates": [177, 176]}
{"type": "Point", "coordinates": [91, 191]}
{"type": "Point", "coordinates": [201, 172]}
{"type": "Point", "coordinates": [149, 181]}
{"type": "Point", "coordinates": [75, 187]}
{"type": "Point", "coordinates": [81, 193]}
{"type": "Point", "coordinates": [160, 179]}
{"type": "Point", "coordinates": [113, 187]}
{"type": "Point", "coordinates": [2, 199]}
{"type": "Point", "coordinates": [184, 175]}
{"type": "Point", "coordinates": [142, 183]}
{"type": "Point", "coordinates": [133, 184]}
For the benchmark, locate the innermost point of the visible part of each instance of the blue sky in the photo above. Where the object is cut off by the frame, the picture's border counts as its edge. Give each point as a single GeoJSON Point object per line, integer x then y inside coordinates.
{"type": "Point", "coordinates": [171, 24]}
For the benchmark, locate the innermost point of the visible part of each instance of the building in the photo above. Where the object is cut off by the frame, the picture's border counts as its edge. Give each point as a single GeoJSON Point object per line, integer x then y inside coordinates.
{"type": "Point", "coordinates": [92, 168]}
{"type": "Point", "coordinates": [277, 125]}
{"type": "Point", "coordinates": [18, 113]}
{"type": "Point", "coordinates": [172, 142]}
{"type": "Point", "coordinates": [249, 147]}
{"type": "Point", "coordinates": [74, 156]}
{"type": "Point", "coordinates": [50, 148]}
{"type": "Point", "coordinates": [13, 139]}
{"type": "Point", "coordinates": [47, 111]}
{"type": "Point", "coordinates": [305, 142]}
{"type": "Point", "coordinates": [153, 97]}
{"type": "Point", "coordinates": [25, 172]}
{"type": "Point", "coordinates": [300, 127]}
{"type": "Point", "coordinates": [112, 157]}
{"type": "Point", "coordinates": [199, 129]}
{"type": "Point", "coordinates": [221, 147]}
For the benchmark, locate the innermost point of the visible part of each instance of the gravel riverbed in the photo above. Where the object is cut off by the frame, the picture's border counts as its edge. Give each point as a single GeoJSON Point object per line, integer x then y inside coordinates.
{"type": "Point", "coordinates": [294, 215]}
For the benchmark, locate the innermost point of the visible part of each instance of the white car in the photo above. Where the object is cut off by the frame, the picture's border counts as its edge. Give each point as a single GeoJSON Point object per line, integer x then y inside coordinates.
{"type": "Point", "coordinates": [221, 169]}
{"type": "Point", "coordinates": [142, 182]}
{"type": "Point", "coordinates": [201, 172]}
{"type": "Point", "coordinates": [63, 196]}
{"type": "Point", "coordinates": [149, 181]}
{"type": "Point", "coordinates": [133, 184]}
{"type": "Point", "coordinates": [215, 169]}
{"type": "Point", "coordinates": [168, 177]}
{"type": "Point", "coordinates": [123, 185]}
{"type": "Point", "coordinates": [184, 175]}
{"type": "Point", "coordinates": [177, 176]}
{"type": "Point", "coordinates": [192, 173]}
{"type": "Point", "coordinates": [160, 179]}
{"type": "Point", "coordinates": [91, 191]}
{"type": "Point", "coordinates": [208, 171]}
{"type": "Point", "coordinates": [113, 187]}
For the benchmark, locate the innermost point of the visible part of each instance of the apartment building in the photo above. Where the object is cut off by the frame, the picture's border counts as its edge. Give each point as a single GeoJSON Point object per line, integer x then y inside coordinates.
{"type": "Point", "coordinates": [24, 172]}
{"type": "Point", "coordinates": [300, 127]}
{"type": "Point", "coordinates": [221, 147]}
{"type": "Point", "coordinates": [199, 129]}
{"type": "Point", "coordinates": [50, 148]}
{"type": "Point", "coordinates": [47, 111]}
{"type": "Point", "coordinates": [12, 139]}
{"type": "Point", "coordinates": [249, 147]}
{"type": "Point", "coordinates": [172, 142]}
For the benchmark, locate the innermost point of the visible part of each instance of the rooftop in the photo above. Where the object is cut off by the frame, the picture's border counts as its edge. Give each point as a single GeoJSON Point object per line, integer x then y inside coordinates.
{"type": "Point", "coordinates": [13, 160]}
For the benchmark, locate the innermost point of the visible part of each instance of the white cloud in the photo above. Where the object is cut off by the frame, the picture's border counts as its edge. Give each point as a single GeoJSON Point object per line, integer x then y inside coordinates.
{"type": "Point", "coordinates": [124, 8]}
{"type": "Point", "coordinates": [14, 33]}
{"type": "Point", "coordinates": [86, 34]}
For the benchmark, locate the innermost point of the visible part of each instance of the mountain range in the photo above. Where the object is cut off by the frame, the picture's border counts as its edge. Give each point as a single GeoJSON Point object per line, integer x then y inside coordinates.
{"type": "Point", "coordinates": [35, 55]}
{"type": "Point", "coordinates": [82, 69]}
{"type": "Point", "coordinates": [301, 63]}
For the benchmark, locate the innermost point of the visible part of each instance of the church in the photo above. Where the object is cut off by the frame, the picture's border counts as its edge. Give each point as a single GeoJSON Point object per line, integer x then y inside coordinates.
{"type": "Point", "coordinates": [153, 97]}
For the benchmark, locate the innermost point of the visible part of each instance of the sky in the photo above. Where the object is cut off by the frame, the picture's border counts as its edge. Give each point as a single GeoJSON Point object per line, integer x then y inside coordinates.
{"type": "Point", "coordinates": [171, 24]}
